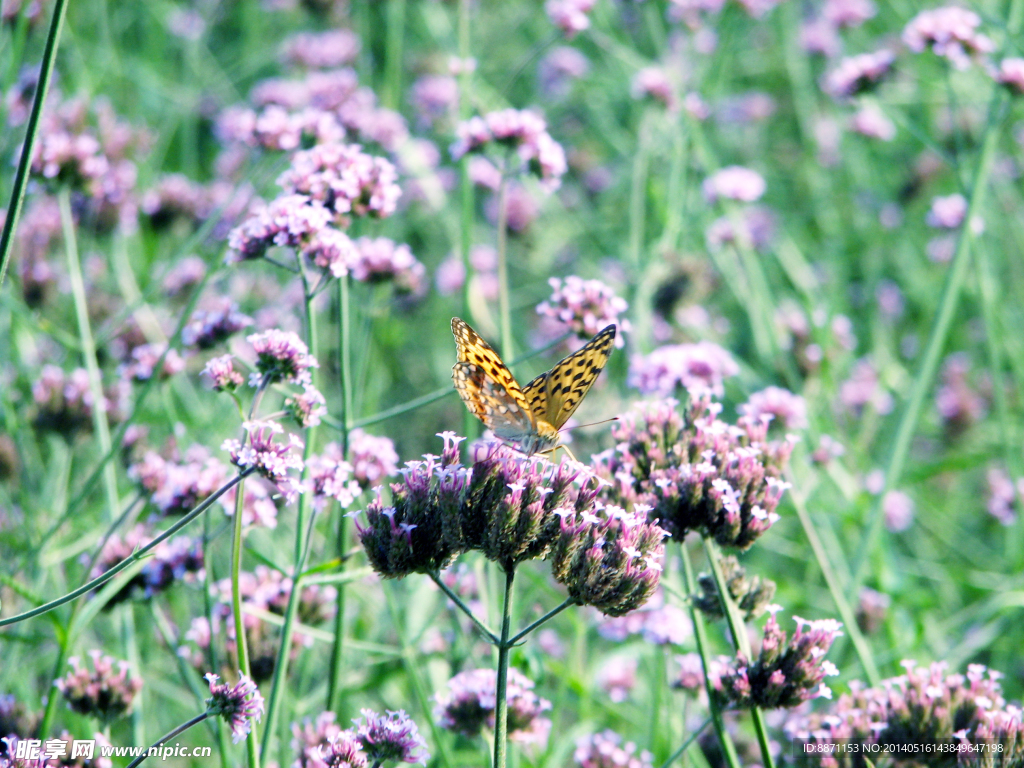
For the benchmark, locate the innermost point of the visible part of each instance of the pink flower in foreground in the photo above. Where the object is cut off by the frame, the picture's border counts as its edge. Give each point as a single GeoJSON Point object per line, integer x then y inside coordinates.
{"type": "Point", "coordinates": [606, 750]}
{"type": "Point", "coordinates": [269, 459]}
{"type": "Point", "coordinates": [240, 704]}
{"type": "Point", "coordinates": [734, 182]}
{"type": "Point", "coordinates": [281, 356]}
{"type": "Point", "coordinates": [105, 692]}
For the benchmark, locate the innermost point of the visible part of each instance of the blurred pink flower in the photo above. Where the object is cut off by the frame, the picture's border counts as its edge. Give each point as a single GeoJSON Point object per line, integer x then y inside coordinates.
{"type": "Point", "coordinates": [1003, 495]}
{"type": "Point", "coordinates": [1011, 74]}
{"type": "Point", "coordinates": [435, 98]}
{"type": "Point", "coordinates": [734, 182]}
{"type": "Point", "coordinates": [870, 121]}
{"type": "Point", "coordinates": [788, 409]}
{"type": "Point", "coordinates": [950, 32]}
{"type": "Point", "coordinates": [898, 510]}
{"type": "Point", "coordinates": [848, 13]}
{"type": "Point", "coordinates": [947, 212]}
{"type": "Point", "coordinates": [863, 389]}
{"type": "Point", "coordinates": [585, 306]}
{"type": "Point", "coordinates": [322, 50]}
{"type": "Point", "coordinates": [653, 82]}
{"type": "Point", "coordinates": [617, 676]}
{"type": "Point", "coordinates": [857, 74]}
{"type": "Point", "coordinates": [559, 68]}
{"type": "Point", "coordinates": [570, 15]}
{"type": "Point", "coordinates": [699, 367]}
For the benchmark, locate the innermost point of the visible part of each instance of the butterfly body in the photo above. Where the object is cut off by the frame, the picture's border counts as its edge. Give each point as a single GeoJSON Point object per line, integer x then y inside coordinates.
{"type": "Point", "coordinates": [530, 416]}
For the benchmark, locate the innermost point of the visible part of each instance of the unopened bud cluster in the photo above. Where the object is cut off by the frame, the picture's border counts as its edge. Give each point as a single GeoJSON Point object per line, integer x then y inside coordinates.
{"type": "Point", "coordinates": [751, 595]}
{"type": "Point", "coordinates": [696, 472]}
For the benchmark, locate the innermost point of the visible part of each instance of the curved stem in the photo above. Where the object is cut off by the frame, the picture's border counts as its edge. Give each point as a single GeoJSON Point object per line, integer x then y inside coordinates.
{"type": "Point", "coordinates": [109, 574]}
{"type": "Point", "coordinates": [501, 685]}
{"type": "Point", "coordinates": [546, 617]}
{"type": "Point", "coordinates": [31, 131]}
{"type": "Point", "coordinates": [488, 634]}
{"type": "Point", "coordinates": [700, 633]}
{"type": "Point", "coordinates": [167, 737]}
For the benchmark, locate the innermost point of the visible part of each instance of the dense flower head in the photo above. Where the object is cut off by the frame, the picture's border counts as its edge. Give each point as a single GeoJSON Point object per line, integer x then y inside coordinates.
{"type": "Point", "coordinates": [570, 15]}
{"type": "Point", "coordinates": [848, 13]}
{"type": "Point", "coordinates": [504, 504]}
{"type": "Point", "coordinates": [344, 179]}
{"type": "Point", "coordinates": [281, 356]}
{"type": "Point", "coordinates": [751, 595]}
{"type": "Point", "coordinates": [392, 737]}
{"type": "Point", "coordinates": [469, 706]}
{"type": "Point", "coordinates": [222, 374]}
{"type": "Point", "coordinates": [783, 406]}
{"type": "Point", "coordinates": [559, 68]}
{"type": "Point", "coordinates": [950, 32]}
{"type": "Point", "coordinates": [341, 751]}
{"type": "Point", "coordinates": [311, 735]}
{"type": "Point", "coordinates": [144, 359]}
{"type": "Point", "coordinates": [269, 459]}
{"type": "Point", "coordinates": [863, 389]}
{"type": "Point", "coordinates": [872, 609]}
{"type": "Point", "coordinates": [607, 750]}
{"type": "Point", "coordinates": [857, 74]}
{"type": "Point", "coordinates": [175, 560]}
{"type": "Point", "coordinates": [610, 560]}
{"type": "Point", "coordinates": [699, 367]}
{"type": "Point", "coordinates": [307, 407]}
{"type": "Point", "coordinates": [209, 327]}
{"type": "Point", "coordinates": [522, 130]}
{"type": "Point", "coordinates": [105, 692]}
{"type": "Point", "coordinates": [322, 50]}
{"type": "Point", "coordinates": [177, 486]}
{"type": "Point", "coordinates": [380, 259]}
{"type": "Point", "coordinates": [959, 404]}
{"type": "Point", "coordinates": [785, 674]}
{"type": "Point", "coordinates": [1011, 74]}
{"type": "Point", "coordinates": [332, 477]}
{"type": "Point", "coordinates": [287, 221]}
{"type": "Point", "coordinates": [585, 306]}
{"type": "Point", "coordinates": [64, 401]}
{"type": "Point", "coordinates": [691, 673]}
{"type": "Point", "coordinates": [240, 704]}
{"type": "Point", "coordinates": [734, 183]}
{"type": "Point", "coordinates": [923, 706]}
{"type": "Point", "coordinates": [947, 212]}
{"type": "Point", "coordinates": [373, 458]}
{"type": "Point", "coordinates": [696, 472]}
{"type": "Point", "coordinates": [1003, 495]}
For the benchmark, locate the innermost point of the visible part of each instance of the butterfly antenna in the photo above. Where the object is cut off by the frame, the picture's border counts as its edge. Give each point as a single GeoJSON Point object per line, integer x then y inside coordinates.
{"type": "Point", "coordinates": [591, 424]}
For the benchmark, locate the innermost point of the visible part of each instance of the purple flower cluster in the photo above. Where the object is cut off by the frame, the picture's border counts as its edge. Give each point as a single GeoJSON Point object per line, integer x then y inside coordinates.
{"type": "Point", "coordinates": [105, 692]}
{"type": "Point", "coordinates": [734, 183]}
{"type": "Point", "coordinates": [269, 459]}
{"type": "Point", "coordinates": [469, 706]}
{"type": "Point", "coordinates": [281, 356]}
{"type": "Point", "coordinates": [381, 260]}
{"type": "Point", "coordinates": [1003, 495]}
{"type": "Point", "coordinates": [144, 359]}
{"type": "Point", "coordinates": [612, 562]}
{"type": "Point", "coordinates": [696, 472]}
{"type": "Point", "coordinates": [698, 368]}
{"type": "Point", "coordinates": [570, 16]}
{"type": "Point", "coordinates": [785, 408]}
{"type": "Point", "coordinates": [521, 130]}
{"type": "Point", "coordinates": [332, 477]}
{"type": "Point", "coordinates": [344, 179]}
{"type": "Point", "coordinates": [653, 82]}
{"type": "Point", "coordinates": [171, 561]}
{"type": "Point", "coordinates": [373, 458]}
{"type": "Point", "coordinates": [1011, 74]}
{"type": "Point", "coordinates": [585, 306]}
{"type": "Point", "coordinates": [959, 404]}
{"type": "Point", "coordinates": [391, 737]}
{"type": "Point", "coordinates": [922, 706]}
{"type": "Point", "coordinates": [211, 326]}
{"type": "Point", "coordinates": [322, 50]}
{"type": "Point", "coordinates": [950, 32]}
{"type": "Point", "coordinates": [857, 74]}
{"type": "Point", "coordinates": [240, 705]}
{"type": "Point", "coordinates": [784, 674]}
{"type": "Point", "coordinates": [606, 750]}
{"type": "Point", "coordinates": [559, 68]}
{"type": "Point", "coordinates": [64, 402]}
{"type": "Point", "coordinates": [863, 389]}
{"type": "Point", "coordinates": [222, 374]}
{"type": "Point", "coordinates": [435, 99]}
{"type": "Point", "coordinates": [176, 487]}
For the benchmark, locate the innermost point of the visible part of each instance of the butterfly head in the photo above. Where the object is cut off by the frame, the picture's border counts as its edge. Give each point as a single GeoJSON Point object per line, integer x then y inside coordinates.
{"type": "Point", "coordinates": [544, 440]}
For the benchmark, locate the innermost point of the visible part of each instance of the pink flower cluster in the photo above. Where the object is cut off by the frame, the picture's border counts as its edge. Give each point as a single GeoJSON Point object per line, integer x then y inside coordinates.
{"type": "Point", "coordinates": [585, 307]}
{"type": "Point", "coordinates": [322, 50]}
{"type": "Point", "coordinates": [522, 130]}
{"type": "Point", "coordinates": [171, 561]}
{"type": "Point", "coordinates": [469, 706]}
{"type": "Point", "coordinates": [606, 750]}
{"type": "Point", "coordinates": [950, 32]}
{"type": "Point", "coordinates": [857, 74]}
{"type": "Point", "coordinates": [344, 179]}
{"type": "Point", "coordinates": [269, 459]}
{"type": "Point", "coordinates": [570, 15]}
{"type": "Point", "coordinates": [105, 692]}
{"type": "Point", "coordinates": [1003, 495]}
{"type": "Point", "coordinates": [734, 183]}
{"type": "Point", "coordinates": [381, 260]}
{"type": "Point", "coordinates": [373, 458]}
{"type": "Point", "coordinates": [783, 406]}
{"type": "Point", "coordinates": [176, 487]}
{"type": "Point", "coordinates": [331, 477]}
{"type": "Point", "coordinates": [700, 367]}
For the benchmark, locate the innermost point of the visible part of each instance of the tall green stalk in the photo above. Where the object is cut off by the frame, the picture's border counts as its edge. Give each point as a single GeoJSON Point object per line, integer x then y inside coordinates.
{"type": "Point", "coordinates": [504, 308]}
{"type": "Point", "coordinates": [501, 685]}
{"type": "Point", "coordinates": [31, 132]}
{"type": "Point", "coordinates": [99, 414]}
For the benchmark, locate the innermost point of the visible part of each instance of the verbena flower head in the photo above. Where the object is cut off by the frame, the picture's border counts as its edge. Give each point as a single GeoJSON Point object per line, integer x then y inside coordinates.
{"type": "Point", "coordinates": [288, 221]}
{"type": "Point", "coordinates": [872, 609]}
{"type": "Point", "coordinates": [281, 356]}
{"type": "Point", "coordinates": [585, 306]}
{"type": "Point", "coordinates": [1003, 495]}
{"type": "Point", "coordinates": [700, 367]}
{"type": "Point", "coordinates": [607, 750]}
{"type": "Point", "coordinates": [611, 561]}
{"type": "Point", "coordinates": [653, 82]}
{"type": "Point", "coordinates": [64, 402]}
{"type": "Point", "coordinates": [785, 408]}
{"type": "Point", "coordinates": [696, 472]}
{"type": "Point", "coordinates": [222, 374]}
{"type": "Point", "coordinates": [177, 486]}
{"type": "Point", "coordinates": [525, 132]}
{"type": "Point", "coordinates": [381, 259]}
{"type": "Point", "coordinates": [691, 673]}
{"type": "Point", "coordinates": [734, 183]}
{"type": "Point", "coordinates": [947, 212]}
{"type": "Point", "coordinates": [570, 15]}
{"type": "Point", "coordinates": [1011, 74]}
{"type": "Point", "coordinates": [306, 408]}
{"type": "Point", "coordinates": [751, 595]}
{"type": "Point", "coordinates": [105, 692]}
{"type": "Point", "coordinates": [857, 74]}
{"type": "Point", "coordinates": [209, 327]}
{"type": "Point", "coordinates": [332, 478]}
{"type": "Point", "coordinates": [341, 751]}
{"type": "Point", "coordinates": [469, 706]}
{"type": "Point", "coordinates": [144, 359]}
{"type": "Point", "coordinates": [392, 737]}
{"type": "Point", "coordinates": [923, 706]}
{"type": "Point", "coordinates": [311, 735]}
{"type": "Point", "coordinates": [950, 32]}
{"type": "Point", "coordinates": [559, 68]}
{"type": "Point", "coordinates": [269, 459]}
{"type": "Point", "coordinates": [785, 674]}
{"type": "Point", "coordinates": [175, 560]}
{"type": "Point", "coordinates": [240, 704]}
{"type": "Point", "coordinates": [373, 458]}
{"type": "Point", "coordinates": [504, 504]}
{"type": "Point", "coordinates": [754, 225]}
{"type": "Point", "coordinates": [322, 50]}
{"type": "Point", "coordinates": [658, 622]}
{"type": "Point", "coordinates": [435, 98]}
{"type": "Point", "coordinates": [344, 179]}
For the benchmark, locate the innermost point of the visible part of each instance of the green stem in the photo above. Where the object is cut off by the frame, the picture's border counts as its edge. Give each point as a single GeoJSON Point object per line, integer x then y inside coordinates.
{"type": "Point", "coordinates": [700, 633]}
{"type": "Point", "coordinates": [501, 686]}
{"type": "Point", "coordinates": [54, 694]}
{"type": "Point", "coordinates": [638, 197]}
{"type": "Point", "coordinates": [31, 132]}
{"type": "Point", "coordinates": [740, 639]}
{"type": "Point", "coordinates": [545, 618]}
{"type": "Point", "coordinates": [241, 645]}
{"type": "Point", "coordinates": [488, 634]}
{"type": "Point", "coordinates": [167, 737]}
{"type": "Point", "coordinates": [99, 413]}
{"type": "Point", "coordinates": [955, 278]}
{"type": "Point", "coordinates": [394, 54]}
{"type": "Point", "coordinates": [341, 539]}
{"type": "Point", "coordinates": [136, 555]}
{"type": "Point", "coordinates": [686, 744]}
{"type": "Point", "coordinates": [504, 308]}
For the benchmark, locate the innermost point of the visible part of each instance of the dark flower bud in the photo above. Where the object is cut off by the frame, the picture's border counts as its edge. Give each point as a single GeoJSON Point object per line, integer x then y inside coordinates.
{"type": "Point", "coordinates": [751, 595]}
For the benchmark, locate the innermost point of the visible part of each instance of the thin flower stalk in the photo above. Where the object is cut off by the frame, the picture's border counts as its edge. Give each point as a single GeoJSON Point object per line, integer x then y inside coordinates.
{"type": "Point", "coordinates": [504, 308]}
{"type": "Point", "coordinates": [167, 737]}
{"type": "Point", "coordinates": [99, 414]}
{"type": "Point", "coordinates": [501, 702]}
{"type": "Point", "coordinates": [31, 133]}
{"type": "Point", "coordinates": [457, 601]}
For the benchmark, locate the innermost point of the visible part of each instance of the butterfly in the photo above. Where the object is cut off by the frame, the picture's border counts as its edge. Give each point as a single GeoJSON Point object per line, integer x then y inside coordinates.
{"type": "Point", "coordinates": [531, 416]}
